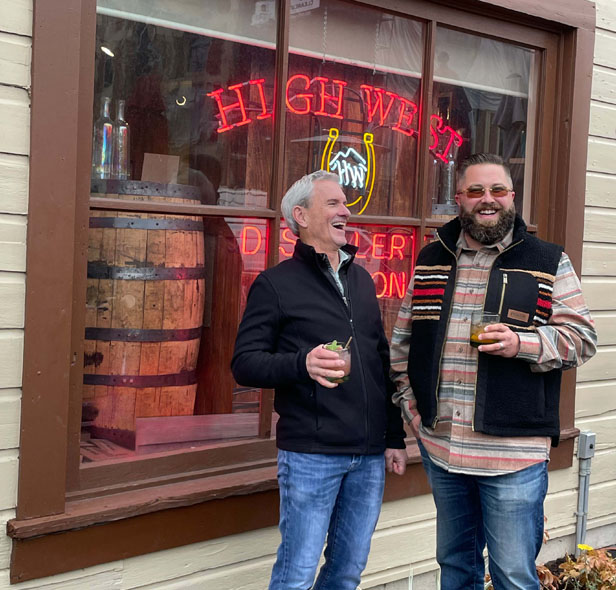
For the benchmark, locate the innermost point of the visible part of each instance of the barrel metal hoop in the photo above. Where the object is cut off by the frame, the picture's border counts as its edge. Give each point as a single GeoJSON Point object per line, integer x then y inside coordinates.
{"type": "Point", "coordinates": [142, 381]}
{"type": "Point", "coordinates": [145, 188]}
{"type": "Point", "coordinates": [147, 273]}
{"type": "Point", "coordinates": [142, 335]}
{"type": "Point", "coordinates": [149, 224]}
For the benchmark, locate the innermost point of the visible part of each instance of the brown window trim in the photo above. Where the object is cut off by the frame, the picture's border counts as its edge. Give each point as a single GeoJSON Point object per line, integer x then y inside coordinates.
{"type": "Point", "coordinates": [59, 181]}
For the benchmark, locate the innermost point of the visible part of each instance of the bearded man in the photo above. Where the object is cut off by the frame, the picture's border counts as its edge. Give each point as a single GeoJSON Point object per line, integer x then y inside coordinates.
{"type": "Point", "coordinates": [485, 418]}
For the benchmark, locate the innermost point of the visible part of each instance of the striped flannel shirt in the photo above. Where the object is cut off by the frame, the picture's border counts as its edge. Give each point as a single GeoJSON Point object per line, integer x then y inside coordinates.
{"type": "Point", "coordinates": [568, 340]}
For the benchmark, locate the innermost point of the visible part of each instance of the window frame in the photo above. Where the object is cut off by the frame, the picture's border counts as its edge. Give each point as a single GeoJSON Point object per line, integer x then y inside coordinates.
{"type": "Point", "coordinates": [125, 500]}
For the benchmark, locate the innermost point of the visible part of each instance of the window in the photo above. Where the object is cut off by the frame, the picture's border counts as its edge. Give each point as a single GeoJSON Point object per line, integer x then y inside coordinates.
{"type": "Point", "coordinates": [225, 108]}
{"type": "Point", "coordinates": [484, 96]}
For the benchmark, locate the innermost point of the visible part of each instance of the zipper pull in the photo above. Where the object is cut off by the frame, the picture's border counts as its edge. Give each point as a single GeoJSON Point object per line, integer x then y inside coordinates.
{"type": "Point", "coordinates": [502, 299]}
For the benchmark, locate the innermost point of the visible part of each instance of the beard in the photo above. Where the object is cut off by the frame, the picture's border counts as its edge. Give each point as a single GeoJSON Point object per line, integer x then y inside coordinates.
{"type": "Point", "coordinates": [487, 234]}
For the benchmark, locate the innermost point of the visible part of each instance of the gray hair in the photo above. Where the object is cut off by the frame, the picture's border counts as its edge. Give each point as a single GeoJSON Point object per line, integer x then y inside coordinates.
{"type": "Point", "coordinates": [300, 194]}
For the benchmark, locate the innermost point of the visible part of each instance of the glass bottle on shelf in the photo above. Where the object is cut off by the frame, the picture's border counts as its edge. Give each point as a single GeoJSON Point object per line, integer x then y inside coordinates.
{"type": "Point", "coordinates": [121, 145]}
{"type": "Point", "coordinates": [102, 142]}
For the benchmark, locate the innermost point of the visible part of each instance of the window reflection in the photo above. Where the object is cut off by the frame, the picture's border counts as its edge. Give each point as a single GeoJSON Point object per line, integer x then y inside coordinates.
{"type": "Point", "coordinates": [180, 72]}
{"type": "Point", "coordinates": [165, 295]}
{"type": "Point", "coordinates": [352, 102]}
{"type": "Point", "coordinates": [483, 89]}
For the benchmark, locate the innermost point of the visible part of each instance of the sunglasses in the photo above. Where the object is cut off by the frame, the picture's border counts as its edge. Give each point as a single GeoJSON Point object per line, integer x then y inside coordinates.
{"type": "Point", "coordinates": [476, 192]}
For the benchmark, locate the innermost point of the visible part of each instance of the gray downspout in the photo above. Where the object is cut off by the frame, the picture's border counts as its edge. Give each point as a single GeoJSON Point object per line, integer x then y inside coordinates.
{"type": "Point", "coordinates": [586, 451]}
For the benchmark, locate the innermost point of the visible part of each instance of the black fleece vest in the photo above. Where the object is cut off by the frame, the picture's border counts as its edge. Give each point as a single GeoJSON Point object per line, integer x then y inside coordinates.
{"type": "Point", "coordinates": [510, 399]}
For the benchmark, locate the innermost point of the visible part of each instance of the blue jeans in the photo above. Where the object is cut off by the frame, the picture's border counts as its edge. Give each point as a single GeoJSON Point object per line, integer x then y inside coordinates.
{"type": "Point", "coordinates": [338, 496]}
{"type": "Point", "coordinates": [504, 511]}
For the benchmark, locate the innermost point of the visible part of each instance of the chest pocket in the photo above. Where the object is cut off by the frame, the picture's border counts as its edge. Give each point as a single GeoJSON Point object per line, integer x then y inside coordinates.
{"type": "Point", "coordinates": [519, 299]}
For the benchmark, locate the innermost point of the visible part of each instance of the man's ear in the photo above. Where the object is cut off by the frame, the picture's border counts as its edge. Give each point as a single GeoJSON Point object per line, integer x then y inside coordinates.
{"type": "Point", "coordinates": [457, 196]}
{"type": "Point", "coordinates": [299, 214]}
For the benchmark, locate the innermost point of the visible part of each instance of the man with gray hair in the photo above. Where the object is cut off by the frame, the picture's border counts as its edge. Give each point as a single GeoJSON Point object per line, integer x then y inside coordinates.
{"type": "Point", "coordinates": [338, 431]}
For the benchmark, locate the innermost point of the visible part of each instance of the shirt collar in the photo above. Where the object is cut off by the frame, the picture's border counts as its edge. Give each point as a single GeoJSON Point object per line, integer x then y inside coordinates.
{"type": "Point", "coordinates": [500, 246]}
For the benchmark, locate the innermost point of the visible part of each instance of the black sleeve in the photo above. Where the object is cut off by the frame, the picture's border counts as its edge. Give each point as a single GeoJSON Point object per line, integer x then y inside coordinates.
{"type": "Point", "coordinates": [256, 362]}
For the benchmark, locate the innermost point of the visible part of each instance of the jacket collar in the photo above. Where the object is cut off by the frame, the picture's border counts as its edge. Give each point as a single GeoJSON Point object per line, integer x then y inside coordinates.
{"type": "Point", "coordinates": [450, 232]}
{"type": "Point", "coordinates": [308, 254]}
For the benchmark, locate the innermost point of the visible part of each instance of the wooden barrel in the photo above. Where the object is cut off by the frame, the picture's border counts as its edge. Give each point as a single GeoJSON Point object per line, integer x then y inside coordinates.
{"type": "Point", "coordinates": [144, 310]}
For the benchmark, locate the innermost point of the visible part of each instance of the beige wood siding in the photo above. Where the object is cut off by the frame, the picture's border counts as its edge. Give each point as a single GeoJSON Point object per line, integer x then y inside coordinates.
{"type": "Point", "coordinates": [15, 57]}
{"type": "Point", "coordinates": [596, 391]}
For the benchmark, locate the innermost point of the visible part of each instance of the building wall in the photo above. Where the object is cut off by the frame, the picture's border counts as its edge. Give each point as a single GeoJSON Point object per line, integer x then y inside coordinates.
{"type": "Point", "coordinates": [15, 58]}
{"type": "Point", "coordinates": [406, 528]}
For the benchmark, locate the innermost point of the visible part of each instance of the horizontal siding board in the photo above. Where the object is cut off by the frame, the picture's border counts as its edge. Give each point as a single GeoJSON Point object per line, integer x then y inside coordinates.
{"type": "Point", "coordinates": [605, 429]}
{"type": "Point", "coordinates": [16, 16]}
{"type": "Point", "coordinates": [604, 84]}
{"type": "Point", "coordinates": [104, 577]}
{"type": "Point", "coordinates": [605, 322]}
{"type": "Point", "coordinates": [12, 300]}
{"type": "Point", "coordinates": [5, 541]}
{"type": "Point", "coordinates": [605, 48]}
{"type": "Point", "coordinates": [600, 225]}
{"type": "Point", "coordinates": [11, 358]}
{"type": "Point", "coordinates": [606, 14]}
{"type": "Point", "coordinates": [603, 120]}
{"type": "Point", "coordinates": [15, 58]}
{"type": "Point", "coordinates": [13, 184]}
{"type": "Point", "coordinates": [599, 293]}
{"type": "Point", "coordinates": [601, 190]}
{"type": "Point", "coordinates": [602, 500]}
{"type": "Point", "coordinates": [13, 243]}
{"type": "Point", "coordinates": [406, 511]}
{"type": "Point", "coordinates": [603, 467]}
{"type": "Point", "coordinates": [563, 480]}
{"type": "Point", "coordinates": [14, 120]}
{"type": "Point", "coordinates": [401, 575]}
{"type": "Point", "coordinates": [198, 557]}
{"type": "Point", "coordinates": [9, 422]}
{"type": "Point", "coordinates": [401, 546]}
{"type": "Point", "coordinates": [601, 155]}
{"type": "Point", "coordinates": [252, 575]}
{"type": "Point", "coordinates": [8, 477]}
{"type": "Point", "coordinates": [11, 353]}
{"type": "Point", "coordinates": [594, 399]}
{"type": "Point", "coordinates": [601, 367]}
{"type": "Point", "coordinates": [560, 509]}
{"type": "Point", "coordinates": [599, 260]}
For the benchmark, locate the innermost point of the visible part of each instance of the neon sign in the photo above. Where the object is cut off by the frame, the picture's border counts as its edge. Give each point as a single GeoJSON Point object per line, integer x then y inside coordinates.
{"type": "Point", "coordinates": [344, 169]}
{"type": "Point", "coordinates": [325, 97]}
{"type": "Point", "coordinates": [353, 174]}
{"type": "Point", "coordinates": [381, 253]}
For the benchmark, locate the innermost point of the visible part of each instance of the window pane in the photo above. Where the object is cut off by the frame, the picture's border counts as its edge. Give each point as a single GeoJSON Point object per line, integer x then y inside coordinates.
{"type": "Point", "coordinates": [484, 101]}
{"type": "Point", "coordinates": [193, 82]}
{"type": "Point", "coordinates": [165, 294]}
{"type": "Point", "coordinates": [353, 103]}
{"type": "Point", "coordinates": [386, 252]}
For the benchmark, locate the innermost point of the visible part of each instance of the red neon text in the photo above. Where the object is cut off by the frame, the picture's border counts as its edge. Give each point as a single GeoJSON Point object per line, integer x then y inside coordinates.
{"type": "Point", "coordinates": [391, 284]}
{"type": "Point", "coordinates": [443, 138]}
{"type": "Point", "coordinates": [325, 97]}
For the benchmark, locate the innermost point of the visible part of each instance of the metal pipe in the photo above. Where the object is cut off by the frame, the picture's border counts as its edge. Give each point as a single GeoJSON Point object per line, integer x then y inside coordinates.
{"type": "Point", "coordinates": [586, 451]}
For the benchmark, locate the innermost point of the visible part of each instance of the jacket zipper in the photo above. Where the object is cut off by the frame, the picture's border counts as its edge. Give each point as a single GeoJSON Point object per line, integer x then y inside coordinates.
{"type": "Point", "coordinates": [357, 358]}
{"type": "Point", "coordinates": [348, 308]}
{"type": "Point", "coordinates": [502, 299]}
{"type": "Point", "coordinates": [499, 311]}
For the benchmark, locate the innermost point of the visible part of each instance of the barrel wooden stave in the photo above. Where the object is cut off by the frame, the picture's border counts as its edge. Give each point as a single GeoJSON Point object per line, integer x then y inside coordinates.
{"type": "Point", "coordinates": [142, 305]}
